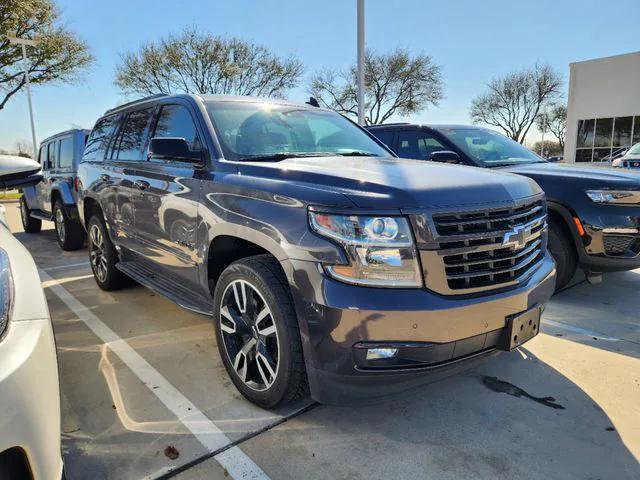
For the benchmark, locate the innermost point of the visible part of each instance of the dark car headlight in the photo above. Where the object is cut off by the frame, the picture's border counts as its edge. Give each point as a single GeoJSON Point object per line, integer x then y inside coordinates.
{"type": "Point", "coordinates": [6, 290]}
{"type": "Point", "coordinates": [615, 197]}
{"type": "Point", "coordinates": [380, 249]}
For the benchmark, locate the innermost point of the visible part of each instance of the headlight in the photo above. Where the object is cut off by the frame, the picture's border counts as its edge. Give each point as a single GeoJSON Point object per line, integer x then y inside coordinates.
{"type": "Point", "coordinates": [5, 290]}
{"type": "Point", "coordinates": [618, 197]}
{"type": "Point", "coordinates": [381, 250]}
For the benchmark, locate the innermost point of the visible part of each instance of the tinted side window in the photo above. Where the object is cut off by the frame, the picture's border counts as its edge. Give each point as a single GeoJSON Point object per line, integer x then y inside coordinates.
{"type": "Point", "coordinates": [132, 135]}
{"type": "Point", "coordinates": [52, 155]}
{"type": "Point", "coordinates": [66, 152]}
{"type": "Point", "coordinates": [417, 144]}
{"type": "Point", "coordinates": [176, 121]}
{"type": "Point", "coordinates": [385, 136]}
{"type": "Point", "coordinates": [98, 140]}
{"type": "Point", "coordinates": [43, 155]}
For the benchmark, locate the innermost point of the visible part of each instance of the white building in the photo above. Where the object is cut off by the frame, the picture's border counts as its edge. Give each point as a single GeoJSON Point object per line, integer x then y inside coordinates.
{"type": "Point", "coordinates": [603, 114]}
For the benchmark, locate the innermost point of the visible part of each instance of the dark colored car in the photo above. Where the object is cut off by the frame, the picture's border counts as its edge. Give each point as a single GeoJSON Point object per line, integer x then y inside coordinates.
{"type": "Point", "coordinates": [326, 263]}
{"type": "Point", "coordinates": [594, 212]}
{"type": "Point", "coordinates": [54, 198]}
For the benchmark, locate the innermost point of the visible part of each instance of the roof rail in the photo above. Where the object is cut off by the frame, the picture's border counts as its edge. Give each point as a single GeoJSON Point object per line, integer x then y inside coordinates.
{"type": "Point", "coordinates": [388, 124]}
{"type": "Point", "coordinates": [139, 100]}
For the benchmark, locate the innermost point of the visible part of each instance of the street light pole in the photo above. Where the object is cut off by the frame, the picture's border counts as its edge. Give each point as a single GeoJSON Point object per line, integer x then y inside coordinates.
{"type": "Point", "coordinates": [23, 42]}
{"type": "Point", "coordinates": [361, 120]}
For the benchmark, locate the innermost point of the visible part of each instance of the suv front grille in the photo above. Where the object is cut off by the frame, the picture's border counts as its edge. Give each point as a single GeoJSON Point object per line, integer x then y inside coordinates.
{"type": "Point", "coordinates": [483, 250]}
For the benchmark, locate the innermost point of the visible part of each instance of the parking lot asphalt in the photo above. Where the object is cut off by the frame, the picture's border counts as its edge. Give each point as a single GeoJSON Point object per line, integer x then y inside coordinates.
{"type": "Point", "coordinates": [145, 395]}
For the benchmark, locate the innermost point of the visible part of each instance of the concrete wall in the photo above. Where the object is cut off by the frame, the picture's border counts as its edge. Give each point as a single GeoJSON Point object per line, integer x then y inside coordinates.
{"type": "Point", "coordinates": [601, 88]}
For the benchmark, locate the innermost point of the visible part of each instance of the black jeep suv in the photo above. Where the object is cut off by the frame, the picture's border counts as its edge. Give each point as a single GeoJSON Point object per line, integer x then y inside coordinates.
{"type": "Point", "coordinates": [327, 263]}
{"type": "Point", "coordinates": [594, 212]}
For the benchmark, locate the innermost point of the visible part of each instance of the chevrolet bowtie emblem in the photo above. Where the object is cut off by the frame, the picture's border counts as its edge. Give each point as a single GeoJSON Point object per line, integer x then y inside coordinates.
{"type": "Point", "coordinates": [516, 238]}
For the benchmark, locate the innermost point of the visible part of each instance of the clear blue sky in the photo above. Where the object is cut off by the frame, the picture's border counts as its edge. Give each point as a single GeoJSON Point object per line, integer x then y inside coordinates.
{"type": "Point", "coordinates": [473, 40]}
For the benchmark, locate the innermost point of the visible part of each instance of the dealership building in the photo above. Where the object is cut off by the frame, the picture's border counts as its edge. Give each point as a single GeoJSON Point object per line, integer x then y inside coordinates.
{"type": "Point", "coordinates": [603, 112]}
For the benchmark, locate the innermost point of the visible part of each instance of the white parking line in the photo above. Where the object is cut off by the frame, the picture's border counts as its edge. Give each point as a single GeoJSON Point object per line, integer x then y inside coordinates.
{"type": "Point", "coordinates": [580, 330]}
{"type": "Point", "coordinates": [68, 265]}
{"type": "Point", "coordinates": [234, 460]}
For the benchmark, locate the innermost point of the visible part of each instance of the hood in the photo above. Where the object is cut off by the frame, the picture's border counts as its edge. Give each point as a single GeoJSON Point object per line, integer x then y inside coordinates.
{"type": "Point", "coordinates": [587, 175]}
{"type": "Point", "coordinates": [11, 165]}
{"type": "Point", "coordinates": [395, 183]}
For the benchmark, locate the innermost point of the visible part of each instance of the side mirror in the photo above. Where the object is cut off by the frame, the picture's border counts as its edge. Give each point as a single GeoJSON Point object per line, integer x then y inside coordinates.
{"type": "Point", "coordinates": [173, 149]}
{"type": "Point", "coordinates": [18, 172]}
{"type": "Point", "coordinates": [444, 156]}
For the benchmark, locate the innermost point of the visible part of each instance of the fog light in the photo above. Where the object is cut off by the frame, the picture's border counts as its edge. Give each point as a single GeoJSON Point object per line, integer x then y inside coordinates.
{"type": "Point", "coordinates": [380, 353]}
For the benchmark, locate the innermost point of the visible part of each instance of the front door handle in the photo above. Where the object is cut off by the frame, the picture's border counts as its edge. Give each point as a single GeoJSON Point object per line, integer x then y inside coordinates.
{"type": "Point", "coordinates": [141, 184]}
{"type": "Point", "coordinates": [104, 177]}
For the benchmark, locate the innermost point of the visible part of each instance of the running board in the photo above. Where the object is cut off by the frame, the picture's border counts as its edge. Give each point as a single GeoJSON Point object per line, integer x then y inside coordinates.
{"type": "Point", "coordinates": [167, 288]}
{"type": "Point", "coordinates": [40, 215]}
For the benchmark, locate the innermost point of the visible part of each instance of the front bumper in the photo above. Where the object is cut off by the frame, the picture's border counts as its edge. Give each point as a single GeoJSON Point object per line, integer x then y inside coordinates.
{"type": "Point", "coordinates": [607, 227]}
{"type": "Point", "coordinates": [336, 318]}
{"type": "Point", "coordinates": [29, 396]}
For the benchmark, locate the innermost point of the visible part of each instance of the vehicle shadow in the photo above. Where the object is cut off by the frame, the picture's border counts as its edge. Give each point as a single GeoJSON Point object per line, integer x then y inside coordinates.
{"type": "Point", "coordinates": [513, 417]}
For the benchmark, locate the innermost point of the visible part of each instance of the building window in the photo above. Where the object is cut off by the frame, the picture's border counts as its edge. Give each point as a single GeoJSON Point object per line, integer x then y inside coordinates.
{"type": "Point", "coordinates": [605, 139]}
{"type": "Point", "coordinates": [585, 133]}
{"type": "Point", "coordinates": [584, 154]}
{"type": "Point", "coordinates": [622, 132]}
{"type": "Point", "coordinates": [604, 132]}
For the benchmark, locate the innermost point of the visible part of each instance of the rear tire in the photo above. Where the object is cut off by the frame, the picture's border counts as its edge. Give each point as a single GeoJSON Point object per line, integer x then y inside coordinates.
{"type": "Point", "coordinates": [253, 313]}
{"type": "Point", "coordinates": [563, 252]}
{"type": "Point", "coordinates": [103, 257]}
{"type": "Point", "coordinates": [69, 232]}
{"type": "Point", "coordinates": [29, 224]}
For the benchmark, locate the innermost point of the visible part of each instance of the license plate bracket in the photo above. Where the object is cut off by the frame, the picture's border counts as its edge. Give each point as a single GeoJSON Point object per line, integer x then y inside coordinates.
{"type": "Point", "coordinates": [520, 329]}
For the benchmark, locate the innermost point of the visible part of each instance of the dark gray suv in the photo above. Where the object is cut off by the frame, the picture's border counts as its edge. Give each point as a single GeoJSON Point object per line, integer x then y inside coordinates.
{"type": "Point", "coordinates": [326, 263]}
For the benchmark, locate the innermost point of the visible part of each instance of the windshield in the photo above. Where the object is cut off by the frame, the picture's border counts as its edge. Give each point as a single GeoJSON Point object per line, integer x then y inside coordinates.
{"type": "Point", "coordinates": [488, 148]}
{"type": "Point", "coordinates": [635, 150]}
{"type": "Point", "coordinates": [264, 131]}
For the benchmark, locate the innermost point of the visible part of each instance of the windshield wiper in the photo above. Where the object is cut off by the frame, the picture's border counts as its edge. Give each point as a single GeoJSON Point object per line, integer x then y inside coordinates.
{"type": "Point", "coordinates": [511, 164]}
{"type": "Point", "coordinates": [357, 153]}
{"type": "Point", "coordinates": [276, 157]}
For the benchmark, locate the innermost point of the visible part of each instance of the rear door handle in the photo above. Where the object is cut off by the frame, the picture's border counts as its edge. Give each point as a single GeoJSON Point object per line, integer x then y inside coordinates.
{"type": "Point", "coordinates": [104, 177]}
{"type": "Point", "coordinates": [141, 184]}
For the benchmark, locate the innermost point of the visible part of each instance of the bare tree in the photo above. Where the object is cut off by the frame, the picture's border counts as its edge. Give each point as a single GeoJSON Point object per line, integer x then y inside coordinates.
{"type": "Point", "coordinates": [550, 148]}
{"type": "Point", "coordinates": [554, 120]}
{"type": "Point", "coordinates": [24, 149]}
{"type": "Point", "coordinates": [514, 101]}
{"type": "Point", "coordinates": [395, 83]}
{"type": "Point", "coordinates": [194, 62]}
{"type": "Point", "coordinates": [557, 122]}
{"type": "Point", "coordinates": [60, 55]}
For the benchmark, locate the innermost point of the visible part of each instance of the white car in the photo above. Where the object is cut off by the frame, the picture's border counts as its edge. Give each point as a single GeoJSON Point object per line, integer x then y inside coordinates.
{"type": "Point", "coordinates": [29, 389]}
{"type": "Point", "coordinates": [631, 159]}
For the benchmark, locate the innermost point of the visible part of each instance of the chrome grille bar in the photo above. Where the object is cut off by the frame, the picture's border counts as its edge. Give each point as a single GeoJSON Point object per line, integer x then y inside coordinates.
{"type": "Point", "coordinates": [474, 251]}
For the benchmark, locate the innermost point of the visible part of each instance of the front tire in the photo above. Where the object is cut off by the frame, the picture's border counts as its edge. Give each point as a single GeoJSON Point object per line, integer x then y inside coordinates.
{"type": "Point", "coordinates": [69, 232]}
{"type": "Point", "coordinates": [257, 332]}
{"type": "Point", "coordinates": [563, 252]}
{"type": "Point", "coordinates": [29, 224]}
{"type": "Point", "coordinates": [103, 257]}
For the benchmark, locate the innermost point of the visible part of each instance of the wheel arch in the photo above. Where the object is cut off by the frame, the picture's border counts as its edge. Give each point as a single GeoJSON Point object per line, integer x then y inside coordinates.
{"type": "Point", "coordinates": [230, 245]}
{"type": "Point", "coordinates": [90, 206]}
{"type": "Point", "coordinates": [566, 216]}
